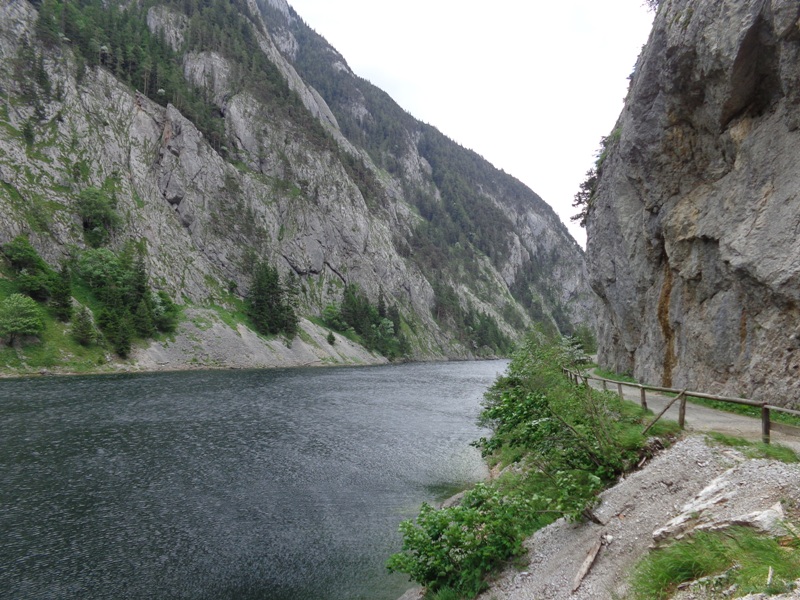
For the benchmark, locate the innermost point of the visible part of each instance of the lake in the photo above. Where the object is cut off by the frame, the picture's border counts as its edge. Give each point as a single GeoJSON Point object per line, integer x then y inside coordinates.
{"type": "Point", "coordinates": [271, 484]}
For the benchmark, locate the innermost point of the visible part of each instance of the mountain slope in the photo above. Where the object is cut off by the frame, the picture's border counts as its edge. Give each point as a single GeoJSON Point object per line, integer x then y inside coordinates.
{"type": "Point", "coordinates": [221, 148]}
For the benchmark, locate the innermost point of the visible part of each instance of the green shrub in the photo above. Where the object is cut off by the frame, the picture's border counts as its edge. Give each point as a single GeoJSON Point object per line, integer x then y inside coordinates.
{"type": "Point", "coordinates": [456, 547]}
{"type": "Point", "coordinates": [569, 441]}
{"type": "Point", "coordinates": [97, 210]}
{"type": "Point", "coordinates": [34, 276]}
{"type": "Point", "coordinates": [20, 315]}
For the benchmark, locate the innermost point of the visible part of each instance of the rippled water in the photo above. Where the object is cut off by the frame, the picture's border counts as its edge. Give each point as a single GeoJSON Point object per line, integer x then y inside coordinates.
{"type": "Point", "coordinates": [285, 484]}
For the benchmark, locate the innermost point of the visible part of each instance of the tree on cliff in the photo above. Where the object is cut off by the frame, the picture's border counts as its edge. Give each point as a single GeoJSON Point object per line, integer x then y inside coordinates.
{"type": "Point", "coordinates": [583, 198]}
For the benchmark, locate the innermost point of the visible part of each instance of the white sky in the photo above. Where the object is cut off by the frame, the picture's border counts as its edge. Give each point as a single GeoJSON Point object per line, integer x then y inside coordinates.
{"type": "Point", "coordinates": [531, 85]}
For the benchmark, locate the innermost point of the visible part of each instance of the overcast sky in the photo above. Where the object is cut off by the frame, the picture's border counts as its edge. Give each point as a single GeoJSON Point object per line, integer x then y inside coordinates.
{"type": "Point", "coordinates": [531, 85]}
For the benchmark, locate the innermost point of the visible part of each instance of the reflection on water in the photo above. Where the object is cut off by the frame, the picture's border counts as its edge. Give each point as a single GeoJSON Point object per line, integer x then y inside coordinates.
{"type": "Point", "coordinates": [285, 484]}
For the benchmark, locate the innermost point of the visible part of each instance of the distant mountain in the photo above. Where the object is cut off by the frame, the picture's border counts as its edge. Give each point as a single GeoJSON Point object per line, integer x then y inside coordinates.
{"type": "Point", "coordinates": [227, 135]}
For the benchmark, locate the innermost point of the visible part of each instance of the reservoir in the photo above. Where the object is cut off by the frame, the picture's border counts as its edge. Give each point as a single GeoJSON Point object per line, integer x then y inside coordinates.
{"type": "Point", "coordinates": [272, 484]}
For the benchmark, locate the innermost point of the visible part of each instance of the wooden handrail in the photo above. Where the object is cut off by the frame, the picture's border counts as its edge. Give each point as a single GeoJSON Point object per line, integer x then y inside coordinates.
{"type": "Point", "coordinates": [682, 395]}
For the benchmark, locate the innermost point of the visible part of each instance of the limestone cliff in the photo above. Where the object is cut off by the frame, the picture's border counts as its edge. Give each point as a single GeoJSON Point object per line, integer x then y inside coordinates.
{"type": "Point", "coordinates": [693, 227]}
{"type": "Point", "coordinates": [279, 178]}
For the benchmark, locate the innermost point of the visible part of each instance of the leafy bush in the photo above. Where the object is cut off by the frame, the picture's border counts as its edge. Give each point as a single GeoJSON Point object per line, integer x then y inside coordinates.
{"type": "Point", "coordinates": [569, 442]}
{"type": "Point", "coordinates": [20, 315]}
{"type": "Point", "coordinates": [22, 256]}
{"type": "Point", "coordinates": [457, 546]}
{"type": "Point", "coordinates": [34, 276]}
{"type": "Point", "coordinates": [97, 209]}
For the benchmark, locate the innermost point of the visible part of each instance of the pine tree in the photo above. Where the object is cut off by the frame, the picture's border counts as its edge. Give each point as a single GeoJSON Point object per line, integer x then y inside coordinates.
{"type": "Point", "coordinates": [143, 320]}
{"type": "Point", "coordinates": [264, 299]}
{"type": "Point", "coordinates": [61, 294]}
{"type": "Point", "coordinates": [288, 322]}
{"type": "Point", "coordinates": [83, 330]}
{"type": "Point", "coordinates": [381, 305]}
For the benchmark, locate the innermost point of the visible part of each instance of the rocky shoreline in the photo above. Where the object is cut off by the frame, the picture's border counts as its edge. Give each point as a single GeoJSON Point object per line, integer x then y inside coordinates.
{"type": "Point", "coordinates": [204, 341]}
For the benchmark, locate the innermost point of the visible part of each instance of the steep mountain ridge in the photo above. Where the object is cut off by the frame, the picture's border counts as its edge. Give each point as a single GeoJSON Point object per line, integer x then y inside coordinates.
{"type": "Point", "coordinates": [250, 161]}
{"type": "Point", "coordinates": [693, 245]}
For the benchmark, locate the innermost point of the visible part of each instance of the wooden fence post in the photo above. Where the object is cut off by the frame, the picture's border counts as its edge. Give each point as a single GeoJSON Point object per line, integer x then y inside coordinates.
{"type": "Point", "coordinates": [643, 395]}
{"type": "Point", "coordinates": [666, 408]}
{"type": "Point", "coordinates": [682, 413]}
{"type": "Point", "coordinates": [619, 391]}
{"type": "Point", "coordinates": [605, 385]}
{"type": "Point", "coordinates": [765, 424]}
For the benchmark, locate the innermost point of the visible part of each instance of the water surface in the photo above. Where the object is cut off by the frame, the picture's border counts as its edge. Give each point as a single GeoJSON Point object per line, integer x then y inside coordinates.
{"type": "Point", "coordinates": [279, 484]}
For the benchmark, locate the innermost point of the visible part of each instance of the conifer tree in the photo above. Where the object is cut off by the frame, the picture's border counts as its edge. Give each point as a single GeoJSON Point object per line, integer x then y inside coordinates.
{"type": "Point", "coordinates": [83, 330]}
{"type": "Point", "coordinates": [61, 294]}
{"type": "Point", "coordinates": [271, 304]}
{"type": "Point", "coordinates": [143, 320]}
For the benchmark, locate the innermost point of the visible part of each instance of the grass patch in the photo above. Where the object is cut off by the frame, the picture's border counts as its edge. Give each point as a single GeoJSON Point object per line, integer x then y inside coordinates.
{"type": "Point", "coordinates": [756, 449]}
{"type": "Point", "coordinates": [612, 375]}
{"type": "Point", "coordinates": [54, 349]}
{"type": "Point", "coordinates": [748, 411]}
{"type": "Point", "coordinates": [737, 556]}
{"type": "Point", "coordinates": [202, 322]}
{"type": "Point", "coordinates": [232, 318]}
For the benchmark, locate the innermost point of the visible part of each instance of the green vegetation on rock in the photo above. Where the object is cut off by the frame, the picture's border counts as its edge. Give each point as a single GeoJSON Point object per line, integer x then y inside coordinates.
{"type": "Point", "coordinates": [97, 210]}
{"type": "Point", "coordinates": [377, 328]}
{"type": "Point", "coordinates": [115, 285]}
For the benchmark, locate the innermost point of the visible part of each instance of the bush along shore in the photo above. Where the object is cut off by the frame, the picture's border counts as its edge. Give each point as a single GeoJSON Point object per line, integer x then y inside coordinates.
{"type": "Point", "coordinates": [556, 445]}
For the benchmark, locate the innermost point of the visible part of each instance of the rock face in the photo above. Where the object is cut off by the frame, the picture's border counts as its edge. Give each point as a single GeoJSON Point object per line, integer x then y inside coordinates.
{"type": "Point", "coordinates": [284, 184]}
{"type": "Point", "coordinates": [693, 228]}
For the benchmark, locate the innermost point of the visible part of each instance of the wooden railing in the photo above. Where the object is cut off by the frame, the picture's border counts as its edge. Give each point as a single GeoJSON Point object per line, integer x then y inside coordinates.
{"type": "Point", "coordinates": [682, 395]}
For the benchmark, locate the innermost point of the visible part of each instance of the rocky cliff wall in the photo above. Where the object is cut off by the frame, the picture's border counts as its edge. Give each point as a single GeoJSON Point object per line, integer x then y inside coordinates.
{"type": "Point", "coordinates": [693, 228]}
